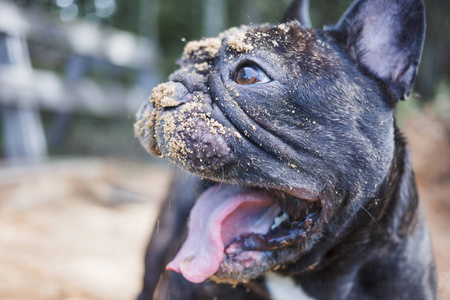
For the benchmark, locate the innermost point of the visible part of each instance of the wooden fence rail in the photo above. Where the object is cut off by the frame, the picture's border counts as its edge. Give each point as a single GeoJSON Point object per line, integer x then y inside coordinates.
{"type": "Point", "coordinates": [86, 50]}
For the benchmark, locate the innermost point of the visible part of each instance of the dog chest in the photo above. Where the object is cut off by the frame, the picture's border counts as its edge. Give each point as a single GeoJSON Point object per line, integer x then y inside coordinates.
{"type": "Point", "coordinates": [284, 288]}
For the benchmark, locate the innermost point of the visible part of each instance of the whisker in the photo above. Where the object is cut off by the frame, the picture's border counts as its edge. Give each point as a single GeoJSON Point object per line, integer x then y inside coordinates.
{"type": "Point", "coordinates": [354, 212]}
{"type": "Point", "coordinates": [223, 174]}
{"type": "Point", "coordinates": [360, 205]}
{"type": "Point", "coordinates": [211, 165]}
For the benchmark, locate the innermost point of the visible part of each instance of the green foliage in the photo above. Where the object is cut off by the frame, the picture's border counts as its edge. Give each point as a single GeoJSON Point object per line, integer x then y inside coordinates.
{"type": "Point", "coordinates": [171, 20]}
{"type": "Point", "coordinates": [183, 19]}
{"type": "Point", "coordinates": [177, 20]}
{"type": "Point", "coordinates": [415, 105]}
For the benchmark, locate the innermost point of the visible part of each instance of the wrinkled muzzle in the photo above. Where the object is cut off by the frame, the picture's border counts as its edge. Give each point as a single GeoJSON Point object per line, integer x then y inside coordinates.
{"type": "Point", "coordinates": [176, 123]}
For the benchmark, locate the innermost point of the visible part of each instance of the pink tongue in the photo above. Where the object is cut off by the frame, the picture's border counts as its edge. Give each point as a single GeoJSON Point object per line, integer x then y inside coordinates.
{"type": "Point", "coordinates": [219, 215]}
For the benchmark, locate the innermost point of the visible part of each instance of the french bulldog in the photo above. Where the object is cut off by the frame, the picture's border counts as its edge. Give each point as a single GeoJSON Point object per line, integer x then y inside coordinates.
{"type": "Point", "coordinates": [302, 186]}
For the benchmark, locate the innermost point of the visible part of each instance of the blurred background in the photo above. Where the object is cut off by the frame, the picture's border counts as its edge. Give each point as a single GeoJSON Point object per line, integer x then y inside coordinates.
{"type": "Point", "coordinates": [78, 195]}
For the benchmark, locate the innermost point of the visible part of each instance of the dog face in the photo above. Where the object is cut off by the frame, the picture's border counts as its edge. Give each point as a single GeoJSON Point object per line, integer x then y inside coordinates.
{"type": "Point", "coordinates": [292, 127]}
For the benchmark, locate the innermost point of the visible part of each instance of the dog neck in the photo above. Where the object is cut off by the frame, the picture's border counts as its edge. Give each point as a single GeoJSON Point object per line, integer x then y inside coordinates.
{"type": "Point", "coordinates": [384, 222]}
{"type": "Point", "coordinates": [399, 192]}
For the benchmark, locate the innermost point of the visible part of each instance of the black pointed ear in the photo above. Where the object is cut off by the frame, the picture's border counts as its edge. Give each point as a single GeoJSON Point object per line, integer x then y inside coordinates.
{"type": "Point", "coordinates": [386, 36]}
{"type": "Point", "coordinates": [298, 10]}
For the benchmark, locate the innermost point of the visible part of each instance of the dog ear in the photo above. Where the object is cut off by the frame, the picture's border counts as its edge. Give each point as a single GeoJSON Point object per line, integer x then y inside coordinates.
{"type": "Point", "coordinates": [386, 36]}
{"type": "Point", "coordinates": [298, 10]}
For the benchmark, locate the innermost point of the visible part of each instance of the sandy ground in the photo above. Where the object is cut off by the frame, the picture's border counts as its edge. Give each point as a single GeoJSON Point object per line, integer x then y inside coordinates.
{"type": "Point", "coordinates": [429, 142]}
{"type": "Point", "coordinates": [77, 229]}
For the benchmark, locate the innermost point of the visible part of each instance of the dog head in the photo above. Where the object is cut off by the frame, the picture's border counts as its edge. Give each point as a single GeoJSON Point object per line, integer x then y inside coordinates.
{"type": "Point", "coordinates": [291, 126]}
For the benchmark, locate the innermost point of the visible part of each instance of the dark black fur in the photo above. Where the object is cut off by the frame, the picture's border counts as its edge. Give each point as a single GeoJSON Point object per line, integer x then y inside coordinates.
{"type": "Point", "coordinates": [325, 122]}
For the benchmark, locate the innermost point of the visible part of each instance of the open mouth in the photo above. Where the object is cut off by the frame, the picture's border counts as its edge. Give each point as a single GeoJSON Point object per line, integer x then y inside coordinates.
{"type": "Point", "coordinates": [235, 232]}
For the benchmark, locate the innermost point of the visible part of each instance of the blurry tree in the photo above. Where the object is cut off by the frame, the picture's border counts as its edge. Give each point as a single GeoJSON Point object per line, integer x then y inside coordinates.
{"type": "Point", "coordinates": [435, 66]}
{"type": "Point", "coordinates": [170, 21]}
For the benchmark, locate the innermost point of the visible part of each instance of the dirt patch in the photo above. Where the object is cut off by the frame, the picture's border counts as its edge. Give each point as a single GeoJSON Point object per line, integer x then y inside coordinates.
{"type": "Point", "coordinates": [207, 48]}
{"type": "Point", "coordinates": [76, 229]}
{"type": "Point", "coordinates": [429, 141]}
{"type": "Point", "coordinates": [236, 42]}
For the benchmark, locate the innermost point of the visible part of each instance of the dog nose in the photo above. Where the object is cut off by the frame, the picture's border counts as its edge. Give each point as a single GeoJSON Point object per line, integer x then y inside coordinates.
{"type": "Point", "coordinates": [144, 130]}
{"type": "Point", "coordinates": [194, 82]}
{"type": "Point", "coordinates": [170, 95]}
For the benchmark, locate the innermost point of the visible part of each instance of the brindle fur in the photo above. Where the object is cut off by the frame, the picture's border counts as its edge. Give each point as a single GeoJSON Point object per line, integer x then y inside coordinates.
{"type": "Point", "coordinates": [325, 122]}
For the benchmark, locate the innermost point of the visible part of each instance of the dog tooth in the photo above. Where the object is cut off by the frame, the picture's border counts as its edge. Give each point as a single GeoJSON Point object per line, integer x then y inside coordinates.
{"type": "Point", "coordinates": [278, 220]}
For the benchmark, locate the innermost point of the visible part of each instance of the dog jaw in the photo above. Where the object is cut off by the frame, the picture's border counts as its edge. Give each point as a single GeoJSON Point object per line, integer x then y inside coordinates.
{"type": "Point", "coordinates": [237, 234]}
{"type": "Point", "coordinates": [177, 124]}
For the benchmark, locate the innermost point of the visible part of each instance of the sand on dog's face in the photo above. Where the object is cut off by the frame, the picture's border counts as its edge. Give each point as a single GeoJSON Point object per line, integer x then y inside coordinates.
{"type": "Point", "coordinates": [282, 135]}
{"type": "Point", "coordinates": [179, 122]}
{"type": "Point", "coordinates": [201, 119]}
{"type": "Point", "coordinates": [186, 121]}
{"type": "Point", "coordinates": [189, 132]}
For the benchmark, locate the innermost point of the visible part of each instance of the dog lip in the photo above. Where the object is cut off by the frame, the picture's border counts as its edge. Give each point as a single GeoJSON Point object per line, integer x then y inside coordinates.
{"type": "Point", "coordinates": [309, 194]}
{"type": "Point", "coordinates": [296, 215]}
{"type": "Point", "coordinates": [303, 194]}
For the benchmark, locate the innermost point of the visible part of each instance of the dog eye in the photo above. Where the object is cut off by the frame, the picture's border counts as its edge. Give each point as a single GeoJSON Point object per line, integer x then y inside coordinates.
{"type": "Point", "coordinates": [250, 75]}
